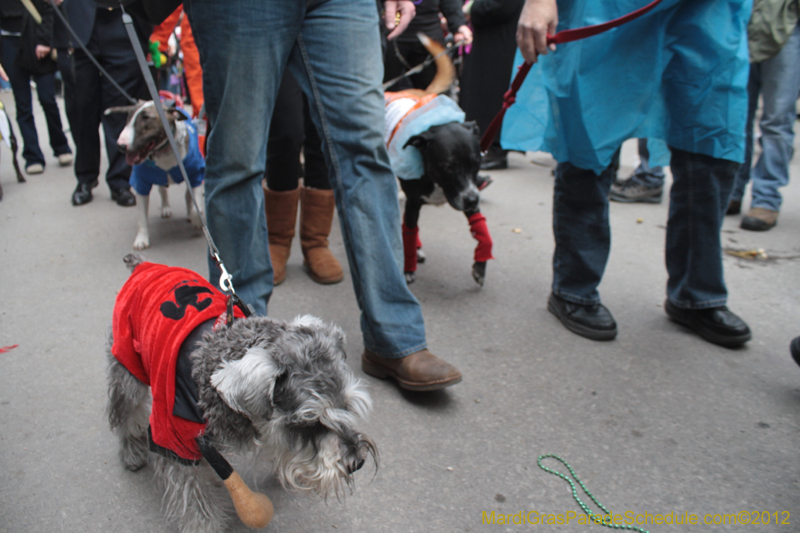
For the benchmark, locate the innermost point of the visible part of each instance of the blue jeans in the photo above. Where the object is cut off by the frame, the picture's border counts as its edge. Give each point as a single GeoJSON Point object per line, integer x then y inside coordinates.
{"type": "Point", "coordinates": [45, 87]}
{"type": "Point", "coordinates": [698, 200]}
{"type": "Point", "coordinates": [332, 47]}
{"type": "Point", "coordinates": [776, 79]}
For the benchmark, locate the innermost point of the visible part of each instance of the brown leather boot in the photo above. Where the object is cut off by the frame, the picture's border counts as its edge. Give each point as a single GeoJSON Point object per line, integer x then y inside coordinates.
{"type": "Point", "coordinates": [316, 218]}
{"type": "Point", "coordinates": [420, 371]}
{"type": "Point", "coordinates": [759, 219]}
{"type": "Point", "coordinates": [281, 210]}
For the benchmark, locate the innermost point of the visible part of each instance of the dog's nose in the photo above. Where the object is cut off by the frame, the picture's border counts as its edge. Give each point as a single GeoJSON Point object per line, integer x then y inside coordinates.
{"type": "Point", "coordinates": [122, 147]}
{"type": "Point", "coordinates": [354, 467]}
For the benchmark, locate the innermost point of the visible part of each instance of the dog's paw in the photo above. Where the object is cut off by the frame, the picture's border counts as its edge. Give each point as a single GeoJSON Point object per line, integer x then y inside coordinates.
{"type": "Point", "coordinates": [410, 277]}
{"type": "Point", "coordinates": [195, 219]}
{"type": "Point", "coordinates": [134, 452]}
{"type": "Point", "coordinates": [166, 212]}
{"type": "Point", "coordinates": [421, 256]}
{"type": "Point", "coordinates": [141, 242]}
{"type": "Point", "coordinates": [479, 272]}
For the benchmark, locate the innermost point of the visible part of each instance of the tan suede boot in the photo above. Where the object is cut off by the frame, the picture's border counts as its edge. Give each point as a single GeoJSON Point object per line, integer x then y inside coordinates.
{"type": "Point", "coordinates": [281, 210]}
{"type": "Point", "coordinates": [316, 218]}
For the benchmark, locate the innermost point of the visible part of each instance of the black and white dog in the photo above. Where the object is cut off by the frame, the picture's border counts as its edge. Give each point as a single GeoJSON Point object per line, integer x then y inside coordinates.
{"type": "Point", "coordinates": [437, 157]}
{"type": "Point", "coordinates": [276, 393]}
{"type": "Point", "coordinates": [148, 151]}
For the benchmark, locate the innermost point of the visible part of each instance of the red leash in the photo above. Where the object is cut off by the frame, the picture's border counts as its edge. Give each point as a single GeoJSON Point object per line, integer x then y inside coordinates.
{"type": "Point", "coordinates": [564, 36]}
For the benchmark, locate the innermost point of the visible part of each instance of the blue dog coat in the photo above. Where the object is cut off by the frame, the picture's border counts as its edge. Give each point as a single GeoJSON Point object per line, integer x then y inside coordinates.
{"type": "Point", "coordinates": [147, 174]}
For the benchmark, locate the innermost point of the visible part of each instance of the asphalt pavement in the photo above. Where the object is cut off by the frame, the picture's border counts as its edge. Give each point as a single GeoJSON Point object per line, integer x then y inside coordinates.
{"type": "Point", "coordinates": [657, 422]}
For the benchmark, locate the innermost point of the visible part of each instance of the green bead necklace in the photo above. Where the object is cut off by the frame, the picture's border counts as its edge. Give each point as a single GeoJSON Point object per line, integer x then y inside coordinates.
{"type": "Point", "coordinates": [583, 506]}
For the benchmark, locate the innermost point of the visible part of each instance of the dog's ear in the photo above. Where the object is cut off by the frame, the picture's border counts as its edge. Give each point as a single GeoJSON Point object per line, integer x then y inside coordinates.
{"type": "Point", "coordinates": [331, 331]}
{"type": "Point", "coordinates": [120, 109]}
{"type": "Point", "coordinates": [246, 384]}
{"type": "Point", "coordinates": [420, 142]}
{"type": "Point", "coordinates": [473, 127]}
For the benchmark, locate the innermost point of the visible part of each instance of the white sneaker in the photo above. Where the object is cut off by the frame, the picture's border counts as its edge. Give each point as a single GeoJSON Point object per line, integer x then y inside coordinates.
{"type": "Point", "coordinates": [65, 159]}
{"type": "Point", "coordinates": [35, 168]}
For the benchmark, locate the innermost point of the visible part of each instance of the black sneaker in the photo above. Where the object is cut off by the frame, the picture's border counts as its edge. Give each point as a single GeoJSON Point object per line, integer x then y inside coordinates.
{"type": "Point", "coordinates": [124, 197]}
{"type": "Point", "coordinates": [715, 324]}
{"type": "Point", "coordinates": [591, 321]}
{"type": "Point", "coordinates": [631, 191]}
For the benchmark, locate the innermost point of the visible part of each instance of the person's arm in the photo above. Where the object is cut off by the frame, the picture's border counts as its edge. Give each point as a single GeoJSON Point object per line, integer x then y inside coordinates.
{"type": "Point", "coordinates": [456, 22]}
{"type": "Point", "coordinates": [406, 11]}
{"type": "Point", "coordinates": [538, 18]}
{"type": "Point", "coordinates": [44, 31]}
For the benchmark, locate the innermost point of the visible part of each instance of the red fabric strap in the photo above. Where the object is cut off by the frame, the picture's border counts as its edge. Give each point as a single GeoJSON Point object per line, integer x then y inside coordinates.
{"type": "Point", "coordinates": [564, 36]}
{"type": "Point", "coordinates": [480, 232]}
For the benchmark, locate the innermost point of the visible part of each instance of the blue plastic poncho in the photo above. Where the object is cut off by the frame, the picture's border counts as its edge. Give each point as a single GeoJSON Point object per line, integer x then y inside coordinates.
{"type": "Point", "coordinates": [678, 74]}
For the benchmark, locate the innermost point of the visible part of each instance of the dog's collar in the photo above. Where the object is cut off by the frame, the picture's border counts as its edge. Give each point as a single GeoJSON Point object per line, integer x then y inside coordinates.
{"type": "Point", "coordinates": [157, 148]}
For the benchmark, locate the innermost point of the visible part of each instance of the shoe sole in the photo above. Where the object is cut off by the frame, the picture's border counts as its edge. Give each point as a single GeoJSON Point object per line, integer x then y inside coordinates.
{"type": "Point", "coordinates": [377, 371]}
{"type": "Point", "coordinates": [640, 200]}
{"type": "Point", "coordinates": [759, 225]}
{"type": "Point", "coordinates": [583, 331]}
{"type": "Point", "coordinates": [707, 334]}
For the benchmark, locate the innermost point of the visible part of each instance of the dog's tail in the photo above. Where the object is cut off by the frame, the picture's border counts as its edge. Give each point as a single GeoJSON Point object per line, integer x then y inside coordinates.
{"type": "Point", "coordinates": [134, 260]}
{"type": "Point", "coordinates": [445, 71]}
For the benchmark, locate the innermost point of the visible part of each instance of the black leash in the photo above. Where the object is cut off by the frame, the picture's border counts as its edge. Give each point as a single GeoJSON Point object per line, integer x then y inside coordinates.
{"type": "Point", "coordinates": [419, 68]}
{"type": "Point", "coordinates": [122, 91]}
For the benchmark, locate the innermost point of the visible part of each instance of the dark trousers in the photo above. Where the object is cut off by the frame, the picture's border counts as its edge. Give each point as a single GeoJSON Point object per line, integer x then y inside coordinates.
{"type": "Point", "coordinates": [698, 200]}
{"type": "Point", "coordinates": [291, 130]}
{"type": "Point", "coordinates": [45, 87]}
{"type": "Point", "coordinates": [87, 95]}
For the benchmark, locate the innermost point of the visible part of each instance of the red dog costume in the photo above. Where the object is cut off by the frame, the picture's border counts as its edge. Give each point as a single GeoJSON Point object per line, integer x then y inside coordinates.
{"type": "Point", "coordinates": [156, 309]}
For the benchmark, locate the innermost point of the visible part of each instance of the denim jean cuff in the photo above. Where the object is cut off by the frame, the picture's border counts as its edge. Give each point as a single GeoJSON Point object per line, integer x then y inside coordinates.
{"type": "Point", "coordinates": [396, 355]}
{"type": "Point", "coordinates": [699, 305]}
{"type": "Point", "coordinates": [576, 299]}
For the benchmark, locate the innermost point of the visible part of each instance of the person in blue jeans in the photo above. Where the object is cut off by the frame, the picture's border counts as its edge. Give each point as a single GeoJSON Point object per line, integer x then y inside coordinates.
{"type": "Point", "coordinates": [777, 80]}
{"type": "Point", "coordinates": [666, 76]}
{"type": "Point", "coordinates": [333, 50]}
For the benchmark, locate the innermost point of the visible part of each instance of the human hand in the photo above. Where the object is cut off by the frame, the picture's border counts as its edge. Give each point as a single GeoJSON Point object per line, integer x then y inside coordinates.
{"type": "Point", "coordinates": [538, 19]}
{"type": "Point", "coordinates": [406, 11]}
{"type": "Point", "coordinates": [41, 51]}
{"type": "Point", "coordinates": [467, 8]}
{"type": "Point", "coordinates": [3, 74]}
{"type": "Point", "coordinates": [463, 33]}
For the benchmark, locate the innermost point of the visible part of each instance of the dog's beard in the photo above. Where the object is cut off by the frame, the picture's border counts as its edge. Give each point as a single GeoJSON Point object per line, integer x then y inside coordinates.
{"type": "Point", "coordinates": [319, 466]}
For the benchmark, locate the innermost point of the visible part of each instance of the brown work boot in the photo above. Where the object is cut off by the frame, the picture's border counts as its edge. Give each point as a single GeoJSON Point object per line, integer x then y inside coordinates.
{"type": "Point", "coordinates": [420, 371]}
{"type": "Point", "coordinates": [316, 218]}
{"type": "Point", "coordinates": [759, 219]}
{"type": "Point", "coordinates": [281, 210]}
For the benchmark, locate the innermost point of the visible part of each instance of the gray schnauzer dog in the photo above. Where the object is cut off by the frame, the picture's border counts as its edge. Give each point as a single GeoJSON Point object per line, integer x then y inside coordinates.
{"type": "Point", "coordinates": [266, 393]}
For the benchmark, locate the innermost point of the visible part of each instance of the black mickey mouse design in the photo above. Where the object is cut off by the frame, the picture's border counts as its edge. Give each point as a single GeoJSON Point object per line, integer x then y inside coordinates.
{"type": "Point", "coordinates": [185, 295]}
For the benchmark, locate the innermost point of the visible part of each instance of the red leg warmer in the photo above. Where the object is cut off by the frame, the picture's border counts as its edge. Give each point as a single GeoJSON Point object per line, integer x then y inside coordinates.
{"type": "Point", "coordinates": [480, 232]}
